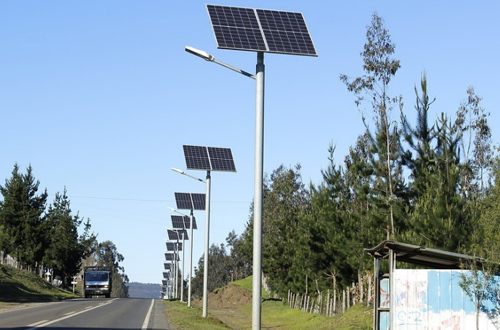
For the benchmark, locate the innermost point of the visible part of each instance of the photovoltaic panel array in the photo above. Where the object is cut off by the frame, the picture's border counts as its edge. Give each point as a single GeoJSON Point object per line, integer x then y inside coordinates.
{"type": "Point", "coordinates": [181, 222]}
{"type": "Point", "coordinates": [166, 274]}
{"type": "Point", "coordinates": [209, 158]}
{"type": "Point", "coordinates": [164, 282]}
{"type": "Point", "coordinates": [167, 266]}
{"type": "Point", "coordinates": [260, 30]}
{"type": "Point", "coordinates": [189, 201]}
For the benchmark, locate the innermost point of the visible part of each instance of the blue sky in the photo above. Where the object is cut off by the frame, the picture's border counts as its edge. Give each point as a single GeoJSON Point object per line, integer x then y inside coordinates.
{"type": "Point", "coordinates": [100, 96]}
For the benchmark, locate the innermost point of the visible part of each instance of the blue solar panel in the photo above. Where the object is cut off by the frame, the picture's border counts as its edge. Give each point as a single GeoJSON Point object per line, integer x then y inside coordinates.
{"type": "Point", "coordinates": [260, 30]}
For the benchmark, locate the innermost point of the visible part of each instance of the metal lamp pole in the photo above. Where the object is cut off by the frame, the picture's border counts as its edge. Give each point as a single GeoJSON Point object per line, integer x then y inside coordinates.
{"type": "Point", "coordinates": [258, 179]}
{"type": "Point", "coordinates": [190, 251]}
{"type": "Point", "coordinates": [207, 236]}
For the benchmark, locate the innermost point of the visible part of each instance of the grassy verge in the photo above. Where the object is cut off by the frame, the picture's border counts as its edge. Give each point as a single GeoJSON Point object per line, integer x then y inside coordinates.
{"type": "Point", "coordinates": [274, 314]}
{"type": "Point", "coordinates": [181, 317]}
{"type": "Point", "coordinates": [21, 286]}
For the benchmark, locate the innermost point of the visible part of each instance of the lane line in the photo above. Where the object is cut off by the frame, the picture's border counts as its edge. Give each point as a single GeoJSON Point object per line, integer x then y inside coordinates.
{"type": "Point", "coordinates": [148, 315]}
{"type": "Point", "coordinates": [41, 325]}
{"type": "Point", "coordinates": [37, 323]}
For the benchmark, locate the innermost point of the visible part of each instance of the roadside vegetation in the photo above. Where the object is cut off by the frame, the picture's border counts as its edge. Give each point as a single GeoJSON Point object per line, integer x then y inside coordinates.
{"type": "Point", "coordinates": [275, 314]}
{"type": "Point", "coordinates": [20, 286]}
{"type": "Point", "coordinates": [45, 237]}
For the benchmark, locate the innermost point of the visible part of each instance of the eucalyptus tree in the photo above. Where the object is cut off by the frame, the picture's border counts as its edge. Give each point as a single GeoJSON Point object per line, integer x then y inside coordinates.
{"type": "Point", "coordinates": [373, 87]}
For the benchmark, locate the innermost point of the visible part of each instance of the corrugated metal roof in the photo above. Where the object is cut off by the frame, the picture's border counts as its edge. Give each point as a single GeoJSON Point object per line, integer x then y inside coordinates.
{"type": "Point", "coordinates": [420, 255]}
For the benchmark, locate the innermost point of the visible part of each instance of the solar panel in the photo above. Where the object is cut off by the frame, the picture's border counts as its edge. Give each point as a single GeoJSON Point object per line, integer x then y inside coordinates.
{"type": "Point", "coordinates": [209, 158]}
{"type": "Point", "coordinates": [181, 222]}
{"type": "Point", "coordinates": [171, 257]}
{"type": "Point", "coordinates": [260, 30]}
{"type": "Point", "coordinates": [174, 246]}
{"type": "Point", "coordinates": [188, 201]}
{"type": "Point", "coordinates": [221, 159]}
{"type": "Point", "coordinates": [164, 282]}
{"type": "Point", "coordinates": [166, 274]}
{"type": "Point", "coordinates": [187, 223]}
{"type": "Point", "coordinates": [178, 221]}
{"type": "Point", "coordinates": [176, 234]}
{"type": "Point", "coordinates": [167, 266]}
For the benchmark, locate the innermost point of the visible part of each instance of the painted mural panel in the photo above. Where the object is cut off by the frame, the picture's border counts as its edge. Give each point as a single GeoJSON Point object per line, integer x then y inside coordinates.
{"type": "Point", "coordinates": [434, 300]}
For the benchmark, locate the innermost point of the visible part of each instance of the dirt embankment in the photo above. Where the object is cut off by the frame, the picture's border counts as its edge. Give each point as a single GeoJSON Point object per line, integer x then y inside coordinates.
{"type": "Point", "coordinates": [226, 303]}
{"type": "Point", "coordinates": [230, 296]}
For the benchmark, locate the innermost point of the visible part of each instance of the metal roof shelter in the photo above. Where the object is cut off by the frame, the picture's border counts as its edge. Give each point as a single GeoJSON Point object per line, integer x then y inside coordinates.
{"type": "Point", "coordinates": [413, 254]}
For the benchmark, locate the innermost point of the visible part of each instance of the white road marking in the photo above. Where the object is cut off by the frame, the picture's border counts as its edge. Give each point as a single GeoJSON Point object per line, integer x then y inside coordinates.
{"type": "Point", "coordinates": [37, 323]}
{"type": "Point", "coordinates": [46, 323]}
{"type": "Point", "coordinates": [148, 315]}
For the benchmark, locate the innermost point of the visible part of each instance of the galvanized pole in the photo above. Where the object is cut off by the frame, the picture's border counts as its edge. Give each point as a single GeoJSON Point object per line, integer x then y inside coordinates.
{"type": "Point", "coordinates": [190, 257]}
{"type": "Point", "coordinates": [207, 246]}
{"type": "Point", "coordinates": [258, 194]}
{"type": "Point", "coordinates": [183, 253]}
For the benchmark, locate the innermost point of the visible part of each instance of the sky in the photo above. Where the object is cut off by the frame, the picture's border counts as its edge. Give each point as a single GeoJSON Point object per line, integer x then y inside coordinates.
{"type": "Point", "coordinates": [100, 96]}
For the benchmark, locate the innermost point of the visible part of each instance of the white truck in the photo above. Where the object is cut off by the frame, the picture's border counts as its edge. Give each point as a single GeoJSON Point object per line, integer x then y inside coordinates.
{"type": "Point", "coordinates": [97, 282]}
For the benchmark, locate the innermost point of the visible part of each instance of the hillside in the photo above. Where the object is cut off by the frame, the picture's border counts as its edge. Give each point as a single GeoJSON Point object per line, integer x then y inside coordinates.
{"type": "Point", "coordinates": [144, 290]}
{"type": "Point", "coordinates": [21, 286]}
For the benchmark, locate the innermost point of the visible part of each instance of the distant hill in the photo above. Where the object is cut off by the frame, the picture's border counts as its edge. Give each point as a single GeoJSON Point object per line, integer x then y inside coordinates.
{"type": "Point", "coordinates": [144, 290]}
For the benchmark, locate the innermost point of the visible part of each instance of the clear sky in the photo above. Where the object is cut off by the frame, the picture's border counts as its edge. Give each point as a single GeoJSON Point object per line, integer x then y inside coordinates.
{"type": "Point", "coordinates": [100, 96]}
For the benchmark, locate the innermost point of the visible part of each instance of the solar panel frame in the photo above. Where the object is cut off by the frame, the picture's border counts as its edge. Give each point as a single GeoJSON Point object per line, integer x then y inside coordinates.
{"type": "Point", "coordinates": [178, 221]}
{"type": "Point", "coordinates": [187, 223]}
{"type": "Point", "coordinates": [209, 158]}
{"type": "Point", "coordinates": [221, 159]}
{"type": "Point", "coordinates": [171, 246]}
{"type": "Point", "coordinates": [196, 158]}
{"type": "Point", "coordinates": [183, 201]}
{"type": "Point", "coordinates": [171, 257]}
{"type": "Point", "coordinates": [176, 234]}
{"type": "Point", "coordinates": [199, 201]}
{"type": "Point", "coordinates": [260, 30]}
{"type": "Point", "coordinates": [190, 201]}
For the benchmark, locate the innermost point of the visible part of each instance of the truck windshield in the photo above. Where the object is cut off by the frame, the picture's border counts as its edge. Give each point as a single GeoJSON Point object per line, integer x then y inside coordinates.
{"type": "Point", "coordinates": [96, 276]}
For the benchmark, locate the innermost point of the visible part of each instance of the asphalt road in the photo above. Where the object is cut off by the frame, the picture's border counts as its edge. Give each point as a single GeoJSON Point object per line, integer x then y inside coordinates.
{"type": "Point", "coordinates": [92, 314]}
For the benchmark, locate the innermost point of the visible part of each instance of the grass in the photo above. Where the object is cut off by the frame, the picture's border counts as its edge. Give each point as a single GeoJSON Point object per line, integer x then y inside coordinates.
{"type": "Point", "coordinates": [274, 315]}
{"type": "Point", "coordinates": [21, 286]}
{"type": "Point", "coordinates": [181, 317]}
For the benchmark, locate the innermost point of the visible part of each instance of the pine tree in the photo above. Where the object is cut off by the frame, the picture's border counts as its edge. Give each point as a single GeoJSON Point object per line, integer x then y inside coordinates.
{"type": "Point", "coordinates": [66, 248]}
{"type": "Point", "coordinates": [22, 217]}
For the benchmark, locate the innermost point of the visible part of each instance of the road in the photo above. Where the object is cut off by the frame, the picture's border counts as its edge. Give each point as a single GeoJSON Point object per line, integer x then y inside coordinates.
{"type": "Point", "coordinates": [92, 314]}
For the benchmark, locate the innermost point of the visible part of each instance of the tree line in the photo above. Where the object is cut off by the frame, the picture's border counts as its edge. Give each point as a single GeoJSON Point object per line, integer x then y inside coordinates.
{"type": "Point", "coordinates": [46, 237]}
{"type": "Point", "coordinates": [434, 183]}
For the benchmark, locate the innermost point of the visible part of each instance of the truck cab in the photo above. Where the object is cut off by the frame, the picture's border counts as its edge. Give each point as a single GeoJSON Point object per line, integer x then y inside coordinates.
{"type": "Point", "coordinates": [96, 283]}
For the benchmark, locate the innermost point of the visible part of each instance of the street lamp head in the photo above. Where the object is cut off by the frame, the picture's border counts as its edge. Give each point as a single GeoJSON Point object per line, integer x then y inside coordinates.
{"type": "Point", "coordinates": [177, 170]}
{"type": "Point", "coordinates": [200, 53]}
{"type": "Point", "coordinates": [171, 209]}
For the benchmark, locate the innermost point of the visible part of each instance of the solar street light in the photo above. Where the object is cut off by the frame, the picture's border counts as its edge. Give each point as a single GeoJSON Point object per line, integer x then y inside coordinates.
{"type": "Point", "coordinates": [209, 159]}
{"type": "Point", "coordinates": [191, 225]}
{"type": "Point", "coordinates": [258, 30]}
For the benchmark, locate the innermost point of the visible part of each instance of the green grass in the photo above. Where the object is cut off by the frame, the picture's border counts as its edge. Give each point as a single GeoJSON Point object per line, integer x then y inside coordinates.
{"type": "Point", "coordinates": [274, 315]}
{"type": "Point", "coordinates": [181, 317]}
{"type": "Point", "coordinates": [21, 286]}
{"type": "Point", "coordinates": [247, 283]}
